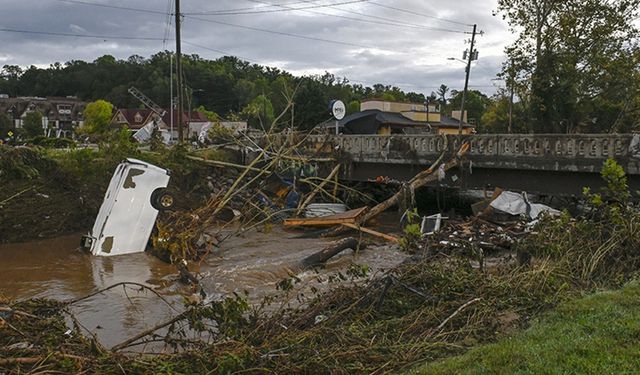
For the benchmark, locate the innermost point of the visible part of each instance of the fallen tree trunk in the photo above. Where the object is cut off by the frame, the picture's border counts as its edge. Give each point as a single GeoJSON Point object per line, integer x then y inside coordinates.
{"type": "Point", "coordinates": [420, 180]}
{"type": "Point", "coordinates": [321, 257]}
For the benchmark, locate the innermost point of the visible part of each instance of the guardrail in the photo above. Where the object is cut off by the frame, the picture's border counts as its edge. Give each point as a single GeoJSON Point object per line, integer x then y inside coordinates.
{"type": "Point", "coordinates": [559, 152]}
{"type": "Point", "coordinates": [584, 146]}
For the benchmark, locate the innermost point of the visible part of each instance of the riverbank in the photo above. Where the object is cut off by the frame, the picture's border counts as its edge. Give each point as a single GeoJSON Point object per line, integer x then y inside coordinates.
{"type": "Point", "coordinates": [597, 334]}
{"type": "Point", "coordinates": [470, 284]}
{"type": "Point", "coordinates": [49, 192]}
{"type": "Point", "coordinates": [427, 308]}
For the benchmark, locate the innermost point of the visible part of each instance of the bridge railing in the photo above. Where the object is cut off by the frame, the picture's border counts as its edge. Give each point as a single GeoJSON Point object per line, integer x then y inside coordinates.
{"type": "Point", "coordinates": [582, 146]}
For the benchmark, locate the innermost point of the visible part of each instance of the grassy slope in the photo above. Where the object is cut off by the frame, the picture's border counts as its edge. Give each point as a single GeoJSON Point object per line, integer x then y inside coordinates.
{"type": "Point", "coordinates": [598, 334]}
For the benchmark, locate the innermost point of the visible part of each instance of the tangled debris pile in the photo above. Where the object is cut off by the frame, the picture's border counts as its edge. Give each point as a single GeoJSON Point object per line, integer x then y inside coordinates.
{"type": "Point", "coordinates": [474, 236]}
{"type": "Point", "coordinates": [435, 305]}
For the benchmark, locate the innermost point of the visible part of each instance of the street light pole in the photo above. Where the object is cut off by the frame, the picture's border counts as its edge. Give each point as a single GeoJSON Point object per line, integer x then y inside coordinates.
{"type": "Point", "coordinates": [466, 79]}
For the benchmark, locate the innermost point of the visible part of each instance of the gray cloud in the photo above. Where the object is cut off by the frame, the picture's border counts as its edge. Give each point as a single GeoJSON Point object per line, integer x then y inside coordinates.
{"type": "Point", "coordinates": [413, 56]}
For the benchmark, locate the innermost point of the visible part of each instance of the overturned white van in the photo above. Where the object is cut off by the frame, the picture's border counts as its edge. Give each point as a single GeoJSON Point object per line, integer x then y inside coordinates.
{"type": "Point", "coordinates": [136, 193]}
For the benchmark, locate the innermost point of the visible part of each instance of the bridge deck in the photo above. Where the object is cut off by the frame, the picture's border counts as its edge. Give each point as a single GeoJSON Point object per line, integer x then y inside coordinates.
{"type": "Point", "coordinates": [548, 163]}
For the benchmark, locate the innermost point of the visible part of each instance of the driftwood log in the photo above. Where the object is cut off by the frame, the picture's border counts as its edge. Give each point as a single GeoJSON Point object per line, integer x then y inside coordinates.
{"type": "Point", "coordinates": [186, 277]}
{"type": "Point", "coordinates": [335, 248]}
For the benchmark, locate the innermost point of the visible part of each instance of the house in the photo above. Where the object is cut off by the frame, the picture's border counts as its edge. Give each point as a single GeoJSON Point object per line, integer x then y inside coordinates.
{"type": "Point", "coordinates": [385, 117]}
{"type": "Point", "coordinates": [136, 119]}
{"type": "Point", "coordinates": [133, 119]}
{"type": "Point", "coordinates": [60, 115]}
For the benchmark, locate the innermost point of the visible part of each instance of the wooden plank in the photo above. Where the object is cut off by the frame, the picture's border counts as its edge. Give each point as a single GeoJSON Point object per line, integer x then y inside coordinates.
{"type": "Point", "coordinates": [346, 217]}
{"type": "Point", "coordinates": [372, 232]}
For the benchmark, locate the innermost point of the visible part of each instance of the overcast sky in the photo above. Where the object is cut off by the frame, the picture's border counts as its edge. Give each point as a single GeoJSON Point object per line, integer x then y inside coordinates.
{"type": "Point", "coordinates": [364, 41]}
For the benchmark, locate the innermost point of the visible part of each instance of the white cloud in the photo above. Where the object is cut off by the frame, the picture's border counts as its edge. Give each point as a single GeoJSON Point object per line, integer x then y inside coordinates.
{"type": "Point", "coordinates": [77, 29]}
{"type": "Point", "coordinates": [413, 56]}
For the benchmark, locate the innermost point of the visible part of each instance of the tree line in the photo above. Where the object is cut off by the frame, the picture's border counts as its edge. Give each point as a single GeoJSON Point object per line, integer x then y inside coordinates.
{"type": "Point", "coordinates": [575, 67]}
{"type": "Point", "coordinates": [228, 86]}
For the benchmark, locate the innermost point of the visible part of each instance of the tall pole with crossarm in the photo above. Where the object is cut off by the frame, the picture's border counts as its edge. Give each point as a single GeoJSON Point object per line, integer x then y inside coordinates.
{"type": "Point", "coordinates": [470, 57]}
{"type": "Point", "coordinates": [179, 74]}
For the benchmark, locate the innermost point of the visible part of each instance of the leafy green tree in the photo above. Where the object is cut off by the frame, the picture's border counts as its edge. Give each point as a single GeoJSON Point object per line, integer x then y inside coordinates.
{"type": "Point", "coordinates": [580, 60]}
{"type": "Point", "coordinates": [311, 104]}
{"type": "Point", "coordinates": [10, 80]}
{"type": "Point", "coordinates": [97, 116]}
{"type": "Point", "coordinates": [476, 103]}
{"type": "Point", "coordinates": [414, 97]}
{"type": "Point", "coordinates": [5, 125]}
{"type": "Point", "coordinates": [442, 95]}
{"type": "Point", "coordinates": [496, 117]}
{"type": "Point", "coordinates": [353, 107]}
{"type": "Point", "coordinates": [32, 124]}
{"type": "Point", "coordinates": [259, 113]}
{"type": "Point", "coordinates": [226, 86]}
{"type": "Point", "coordinates": [210, 115]}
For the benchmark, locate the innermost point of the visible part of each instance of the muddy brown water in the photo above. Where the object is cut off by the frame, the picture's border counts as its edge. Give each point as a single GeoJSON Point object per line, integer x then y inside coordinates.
{"type": "Point", "coordinates": [254, 262]}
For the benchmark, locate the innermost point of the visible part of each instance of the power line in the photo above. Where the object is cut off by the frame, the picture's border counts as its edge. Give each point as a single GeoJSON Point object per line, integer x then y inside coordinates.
{"type": "Point", "coordinates": [167, 28]}
{"type": "Point", "coordinates": [251, 8]}
{"type": "Point", "coordinates": [419, 14]}
{"type": "Point", "coordinates": [285, 8]}
{"type": "Point", "coordinates": [392, 20]}
{"type": "Point", "coordinates": [382, 20]}
{"type": "Point", "coordinates": [283, 33]}
{"type": "Point", "coordinates": [79, 2]}
{"type": "Point", "coordinates": [349, 81]}
{"type": "Point", "coordinates": [52, 33]}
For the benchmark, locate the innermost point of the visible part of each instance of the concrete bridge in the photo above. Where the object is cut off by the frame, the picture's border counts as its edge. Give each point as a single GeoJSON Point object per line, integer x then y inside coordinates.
{"type": "Point", "coordinates": [542, 163]}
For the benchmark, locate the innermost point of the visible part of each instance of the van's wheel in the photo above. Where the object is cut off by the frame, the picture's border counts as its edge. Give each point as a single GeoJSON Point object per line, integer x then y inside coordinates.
{"type": "Point", "coordinates": [162, 200]}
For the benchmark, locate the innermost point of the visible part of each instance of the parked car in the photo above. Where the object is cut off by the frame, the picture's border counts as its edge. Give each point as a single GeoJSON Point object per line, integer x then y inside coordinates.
{"type": "Point", "coordinates": [136, 193]}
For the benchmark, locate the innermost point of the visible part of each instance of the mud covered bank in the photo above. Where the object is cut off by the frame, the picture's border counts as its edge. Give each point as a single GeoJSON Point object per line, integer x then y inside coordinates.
{"type": "Point", "coordinates": [47, 193]}
{"type": "Point", "coordinates": [436, 304]}
{"type": "Point", "coordinates": [44, 196]}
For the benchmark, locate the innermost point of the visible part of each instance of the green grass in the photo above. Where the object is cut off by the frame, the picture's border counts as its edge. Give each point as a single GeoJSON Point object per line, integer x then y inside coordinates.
{"type": "Point", "coordinates": [598, 334]}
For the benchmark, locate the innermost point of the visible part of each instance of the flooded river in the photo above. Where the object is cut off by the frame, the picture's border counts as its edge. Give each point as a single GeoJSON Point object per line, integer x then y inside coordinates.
{"type": "Point", "coordinates": [254, 262]}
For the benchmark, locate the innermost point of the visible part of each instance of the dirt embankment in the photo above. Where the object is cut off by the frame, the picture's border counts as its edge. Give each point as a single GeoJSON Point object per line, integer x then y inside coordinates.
{"type": "Point", "coordinates": [42, 197]}
{"type": "Point", "coordinates": [44, 210]}
{"type": "Point", "coordinates": [47, 193]}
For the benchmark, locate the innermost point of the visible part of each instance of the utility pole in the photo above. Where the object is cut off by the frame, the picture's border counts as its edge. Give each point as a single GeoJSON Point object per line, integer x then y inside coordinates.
{"type": "Point", "coordinates": [171, 95]}
{"type": "Point", "coordinates": [179, 74]}
{"type": "Point", "coordinates": [470, 56]}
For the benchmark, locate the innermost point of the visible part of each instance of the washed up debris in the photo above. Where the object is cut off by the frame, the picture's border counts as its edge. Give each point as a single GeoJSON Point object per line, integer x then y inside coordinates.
{"type": "Point", "coordinates": [145, 133]}
{"type": "Point", "coordinates": [372, 232]}
{"type": "Point", "coordinates": [423, 178]}
{"type": "Point", "coordinates": [324, 209]}
{"type": "Point", "coordinates": [476, 236]}
{"type": "Point", "coordinates": [519, 204]}
{"type": "Point", "coordinates": [348, 217]}
{"type": "Point", "coordinates": [431, 224]}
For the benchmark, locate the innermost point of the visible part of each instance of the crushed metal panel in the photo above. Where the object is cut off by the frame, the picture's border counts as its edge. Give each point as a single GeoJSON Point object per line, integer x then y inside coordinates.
{"type": "Point", "coordinates": [518, 204]}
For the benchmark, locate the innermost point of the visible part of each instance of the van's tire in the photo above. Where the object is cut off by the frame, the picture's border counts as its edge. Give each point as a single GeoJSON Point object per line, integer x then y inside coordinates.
{"type": "Point", "coordinates": [162, 200]}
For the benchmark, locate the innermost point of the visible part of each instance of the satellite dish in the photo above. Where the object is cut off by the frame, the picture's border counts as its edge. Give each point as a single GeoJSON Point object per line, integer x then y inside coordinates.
{"type": "Point", "coordinates": [338, 110]}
